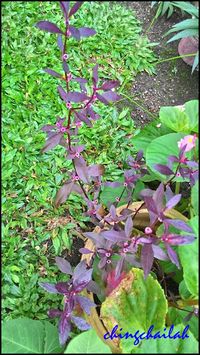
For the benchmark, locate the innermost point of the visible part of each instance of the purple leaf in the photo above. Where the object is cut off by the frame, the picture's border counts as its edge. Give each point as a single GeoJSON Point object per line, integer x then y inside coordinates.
{"type": "Point", "coordinates": [150, 204]}
{"type": "Point", "coordinates": [82, 279]}
{"type": "Point", "coordinates": [53, 73]}
{"type": "Point", "coordinates": [52, 142]}
{"type": "Point", "coordinates": [83, 118]}
{"type": "Point", "coordinates": [147, 258]}
{"type": "Point", "coordinates": [75, 32]}
{"type": "Point", "coordinates": [85, 251]}
{"type": "Point", "coordinates": [81, 169]}
{"type": "Point", "coordinates": [173, 201]}
{"type": "Point", "coordinates": [119, 267]}
{"type": "Point", "coordinates": [112, 184]}
{"type": "Point", "coordinates": [114, 236]}
{"type": "Point", "coordinates": [111, 96]}
{"type": "Point", "coordinates": [177, 223]}
{"type": "Point", "coordinates": [95, 77]}
{"type": "Point", "coordinates": [64, 328]}
{"type": "Point", "coordinates": [168, 193]}
{"type": "Point", "coordinates": [102, 262]}
{"type": "Point", "coordinates": [62, 287]}
{"type": "Point", "coordinates": [64, 265]}
{"type": "Point", "coordinates": [48, 26]}
{"type": "Point", "coordinates": [80, 323]}
{"type": "Point", "coordinates": [96, 238]}
{"type": "Point", "coordinates": [85, 303]}
{"type": "Point", "coordinates": [65, 67]}
{"type": "Point", "coordinates": [177, 239]}
{"type": "Point", "coordinates": [158, 197]}
{"type": "Point", "coordinates": [173, 256]}
{"type": "Point", "coordinates": [75, 8]}
{"type": "Point", "coordinates": [65, 7]}
{"type": "Point", "coordinates": [86, 31]}
{"type": "Point", "coordinates": [63, 193]}
{"type": "Point", "coordinates": [128, 226]}
{"type": "Point", "coordinates": [72, 96]}
{"type": "Point", "coordinates": [93, 287]}
{"type": "Point", "coordinates": [139, 155]}
{"type": "Point", "coordinates": [96, 170]}
{"type": "Point", "coordinates": [60, 42]}
{"type": "Point", "coordinates": [163, 169]}
{"type": "Point", "coordinates": [102, 99]}
{"type": "Point", "coordinates": [159, 253]}
{"type": "Point", "coordinates": [48, 287]}
{"type": "Point", "coordinates": [47, 128]}
{"type": "Point", "coordinates": [110, 84]}
{"type": "Point", "coordinates": [52, 313]}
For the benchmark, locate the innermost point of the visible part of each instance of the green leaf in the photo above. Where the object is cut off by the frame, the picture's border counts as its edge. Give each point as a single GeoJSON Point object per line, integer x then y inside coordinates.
{"type": "Point", "coordinates": [192, 111]}
{"type": "Point", "coordinates": [169, 346]}
{"type": "Point", "coordinates": [27, 336]}
{"type": "Point", "coordinates": [159, 150]}
{"type": "Point", "coordinates": [183, 34]}
{"type": "Point", "coordinates": [136, 303]}
{"type": "Point", "coordinates": [185, 294]}
{"type": "Point", "coordinates": [109, 194]}
{"type": "Point", "coordinates": [176, 316]}
{"type": "Point", "coordinates": [189, 259]}
{"type": "Point", "coordinates": [195, 197]}
{"type": "Point", "coordinates": [148, 133]}
{"type": "Point", "coordinates": [87, 343]}
{"type": "Point", "coordinates": [175, 118]}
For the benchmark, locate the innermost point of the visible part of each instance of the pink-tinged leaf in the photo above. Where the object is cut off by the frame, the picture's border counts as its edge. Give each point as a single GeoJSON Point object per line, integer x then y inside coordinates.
{"type": "Point", "coordinates": [60, 42]}
{"type": "Point", "coordinates": [163, 169]}
{"type": "Point", "coordinates": [48, 287]}
{"type": "Point", "coordinates": [102, 262]}
{"type": "Point", "coordinates": [53, 73]}
{"type": "Point", "coordinates": [112, 282]}
{"type": "Point", "coordinates": [85, 303]}
{"type": "Point", "coordinates": [111, 96]}
{"type": "Point", "coordinates": [64, 328]}
{"type": "Point", "coordinates": [86, 31]}
{"type": "Point", "coordinates": [75, 32]}
{"type": "Point", "coordinates": [96, 170]}
{"type": "Point", "coordinates": [52, 313]}
{"type": "Point", "coordinates": [65, 7]}
{"type": "Point", "coordinates": [63, 193]}
{"type": "Point", "coordinates": [48, 26]}
{"type": "Point", "coordinates": [82, 169]}
{"type": "Point", "coordinates": [147, 258]}
{"type": "Point", "coordinates": [80, 323]}
{"type": "Point", "coordinates": [64, 265]}
{"type": "Point", "coordinates": [95, 76]}
{"type": "Point", "coordinates": [173, 201]}
{"type": "Point", "coordinates": [75, 8]}
{"type": "Point", "coordinates": [111, 84]}
{"type": "Point", "coordinates": [52, 142]}
{"type": "Point", "coordinates": [173, 256]}
{"type": "Point", "coordinates": [159, 253]}
{"type": "Point", "coordinates": [128, 226]}
{"type": "Point", "coordinates": [177, 239]}
{"type": "Point", "coordinates": [177, 223]}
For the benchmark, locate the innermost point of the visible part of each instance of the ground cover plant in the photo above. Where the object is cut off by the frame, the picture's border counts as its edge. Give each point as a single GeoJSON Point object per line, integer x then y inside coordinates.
{"type": "Point", "coordinates": [34, 232]}
{"type": "Point", "coordinates": [124, 256]}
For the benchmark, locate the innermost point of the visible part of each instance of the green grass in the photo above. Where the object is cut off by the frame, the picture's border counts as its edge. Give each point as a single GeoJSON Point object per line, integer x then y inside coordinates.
{"type": "Point", "coordinates": [30, 100]}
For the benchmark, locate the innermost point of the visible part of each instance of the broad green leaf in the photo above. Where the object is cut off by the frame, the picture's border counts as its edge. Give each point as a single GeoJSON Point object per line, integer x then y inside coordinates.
{"type": "Point", "coordinates": [175, 118]}
{"type": "Point", "coordinates": [148, 133]}
{"type": "Point", "coordinates": [27, 336]}
{"type": "Point", "coordinates": [192, 111]}
{"type": "Point", "coordinates": [136, 303]}
{"type": "Point", "coordinates": [109, 194]}
{"type": "Point", "coordinates": [176, 316]}
{"type": "Point", "coordinates": [185, 294]}
{"type": "Point", "coordinates": [159, 150]}
{"type": "Point", "coordinates": [169, 346]}
{"type": "Point", "coordinates": [183, 34]}
{"type": "Point", "coordinates": [87, 343]}
{"type": "Point", "coordinates": [195, 198]}
{"type": "Point", "coordinates": [189, 260]}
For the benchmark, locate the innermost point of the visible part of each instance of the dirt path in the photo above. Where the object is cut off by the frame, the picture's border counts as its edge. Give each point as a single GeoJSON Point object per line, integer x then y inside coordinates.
{"type": "Point", "coordinates": [173, 83]}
